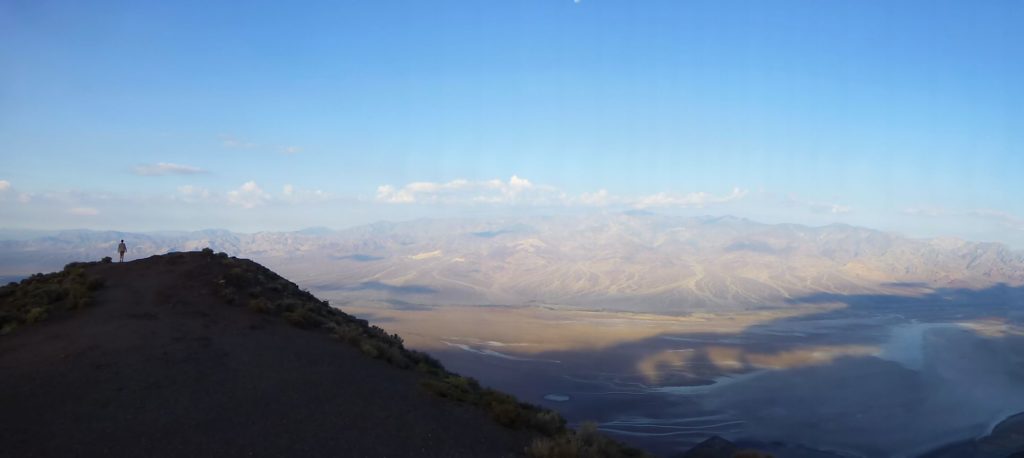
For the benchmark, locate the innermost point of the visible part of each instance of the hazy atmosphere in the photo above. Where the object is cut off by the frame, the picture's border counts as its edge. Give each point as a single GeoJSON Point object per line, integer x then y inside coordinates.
{"type": "Point", "coordinates": [793, 225]}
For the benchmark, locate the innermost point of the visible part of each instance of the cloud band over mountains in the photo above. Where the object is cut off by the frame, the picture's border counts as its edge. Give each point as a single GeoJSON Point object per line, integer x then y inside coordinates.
{"type": "Point", "coordinates": [166, 168]}
{"type": "Point", "coordinates": [521, 191]}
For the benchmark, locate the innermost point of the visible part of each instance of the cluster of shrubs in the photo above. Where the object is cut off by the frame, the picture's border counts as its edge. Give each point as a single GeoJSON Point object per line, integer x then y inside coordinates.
{"type": "Point", "coordinates": [585, 442]}
{"type": "Point", "coordinates": [40, 296]}
{"type": "Point", "coordinates": [260, 289]}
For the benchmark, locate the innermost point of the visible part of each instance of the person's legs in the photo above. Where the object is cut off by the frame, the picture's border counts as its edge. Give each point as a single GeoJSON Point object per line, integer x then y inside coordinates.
{"type": "Point", "coordinates": [122, 257]}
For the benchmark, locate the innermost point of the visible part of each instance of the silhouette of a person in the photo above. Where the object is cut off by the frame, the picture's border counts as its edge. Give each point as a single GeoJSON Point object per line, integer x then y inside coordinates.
{"type": "Point", "coordinates": [121, 249]}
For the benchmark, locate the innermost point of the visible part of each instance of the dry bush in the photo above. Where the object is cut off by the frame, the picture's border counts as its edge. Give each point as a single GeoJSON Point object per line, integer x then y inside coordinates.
{"type": "Point", "coordinates": [587, 442]}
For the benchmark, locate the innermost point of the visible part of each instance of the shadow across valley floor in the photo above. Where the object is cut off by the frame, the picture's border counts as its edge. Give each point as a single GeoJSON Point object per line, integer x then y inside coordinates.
{"type": "Point", "coordinates": [883, 375]}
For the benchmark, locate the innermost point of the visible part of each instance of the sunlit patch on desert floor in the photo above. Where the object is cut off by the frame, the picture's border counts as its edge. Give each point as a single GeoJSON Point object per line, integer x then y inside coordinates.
{"type": "Point", "coordinates": [732, 360]}
{"type": "Point", "coordinates": [994, 327]}
{"type": "Point", "coordinates": [531, 330]}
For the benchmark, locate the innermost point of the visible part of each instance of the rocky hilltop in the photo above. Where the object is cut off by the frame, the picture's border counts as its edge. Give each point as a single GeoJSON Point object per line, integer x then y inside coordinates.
{"type": "Point", "coordinates": [198, 354]}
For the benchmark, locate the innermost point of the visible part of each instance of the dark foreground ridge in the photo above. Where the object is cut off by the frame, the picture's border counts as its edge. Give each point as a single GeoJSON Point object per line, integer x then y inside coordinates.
{"type": "Point", "coordinates": [200, 354]}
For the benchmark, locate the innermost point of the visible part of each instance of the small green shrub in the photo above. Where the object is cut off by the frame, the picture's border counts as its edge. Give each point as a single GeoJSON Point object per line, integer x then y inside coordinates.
{"type": "Point", "coordinates": [349, 334]}
{"type": "Point", "coordinates": [207, 251]}
{"type": "Point", "coordinates": [78, 296]}
{"type": "Point", "coordinates": [36, 314]}
{"type": "Point", "coordinates": [261, 305]}
{"type": "Point", "coordinates": [106, 260]}
{"type": "Point", "coordinates": [302, 317]}
{"type": "Point", "coordinates": [94, 284]}
{"type": "Point", "coordinates": [587, 442]}
{"type": "Point", "coordinates": [395, 356]}
{"type": "Point", "coordinates": [48, 294]}
{"type": "Point", "coordinates": [236, 277]}
{"type": "Point", "coordinates": [425, 362]}
{"type": "Point", "coordinates": [548, 422]}
{"type": "Point", "coordinates": [369, 349]}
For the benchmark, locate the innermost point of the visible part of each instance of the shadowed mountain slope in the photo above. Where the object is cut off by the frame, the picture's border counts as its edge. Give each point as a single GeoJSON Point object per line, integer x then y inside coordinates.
{"type": "Point", "coordinates": [195, 354]}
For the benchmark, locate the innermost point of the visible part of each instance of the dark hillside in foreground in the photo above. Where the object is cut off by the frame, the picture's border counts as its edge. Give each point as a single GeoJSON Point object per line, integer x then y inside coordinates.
{"type": "Point", "coordinates": [194, 354]}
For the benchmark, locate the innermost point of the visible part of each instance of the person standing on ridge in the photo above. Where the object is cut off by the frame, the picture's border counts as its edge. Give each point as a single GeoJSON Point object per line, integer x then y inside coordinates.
{"type": "Point", "coordinates": [121, 249]}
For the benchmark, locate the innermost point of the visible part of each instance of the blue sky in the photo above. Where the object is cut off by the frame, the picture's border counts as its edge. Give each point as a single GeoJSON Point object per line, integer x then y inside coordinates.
{"type": "Point", "coordinates": [905, 116]}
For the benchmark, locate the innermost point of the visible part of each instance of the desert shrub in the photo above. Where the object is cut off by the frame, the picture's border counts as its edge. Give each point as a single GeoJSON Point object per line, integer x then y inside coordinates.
{"type": "Point", "coordinates": [369, 348]}
{"type": "Point", "coordinates": [261, 305]}
{"type": "Point", "coordinates": [587, 442]}
{"type": "Point", "coordinates": [94, 284]}
{"type": "Point", "coordinates": [106, 260]}
{"type": "Point", "coordinates": [36, 314]}
{"type": "Point", "coordinates": [350, 334]}
{"type": "Point", "coordinates": [227, 294]}
{"type": "Point", "coordinates": [394, 356]}
{"type": "Point", "coordinates": [506, 412]}
{"type": "Point", "coordinates": [47, 294]}
{"type": "Point", "coordinates": [222, 255]}
{"type": "Point", "coordinates": [236, 277]}
{"type": "Point", "coordinates": [302, 317]}
{"type": "Point", "coordinates": [425, 362]}
{"type": "Point", "coordinates": [289, 305]}
{"type": "Point", "coordinates": [78, 296]}
{"type": "Point", "coordinates": [548, 422]}
{"type": "Point", "coordinates": [207, 251]}
{"type": "Point", "coordinates": [444, 388]}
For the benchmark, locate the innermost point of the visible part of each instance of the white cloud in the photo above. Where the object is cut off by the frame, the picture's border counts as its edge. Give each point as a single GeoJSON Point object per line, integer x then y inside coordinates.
{"type": "Point", "coordinates": [521, 191]}
{"type": "Point", "coordinates": [516, 190]}
{"type": "Point", "coordinates": [694, 199]}
{"type": "Point", "coordinates": [388, 193]}
{"type": "Point", "coordinates": [924, 211]}
{"type": "Point", "coordinates": [833, 208]}
{"type": "Point", "coordinates": [289, 150]}
{"type": "Point", "coordinates": [1003, 218]}
{"type": "Point", "coordinates": [519, 183]}
{"type": "Point", "coordinates": [189, 193]}
{"type": "Point", "coordinates": [83, 211]}
{"type": "Point", "coordinates": [600, 198]}
{"type": "Point", "coordinates": [232, 142]}
{"type": "Point", "coordinates": [249, 195]}
{"type": "Point", "coordinates": [7, 190]}
{"type": "Point", "coordinates": [166, 168]}
{"type": "Point", "coordinates": [294, 195]}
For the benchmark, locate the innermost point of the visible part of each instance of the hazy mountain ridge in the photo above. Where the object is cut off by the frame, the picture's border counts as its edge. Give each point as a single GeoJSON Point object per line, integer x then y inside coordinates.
{"type": "Point", "coordinates": [625, 261]}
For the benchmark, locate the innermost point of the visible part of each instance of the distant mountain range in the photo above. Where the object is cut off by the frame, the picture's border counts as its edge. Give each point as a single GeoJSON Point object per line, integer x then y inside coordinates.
{"type": "Point", "coordinates": [625, 261]}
